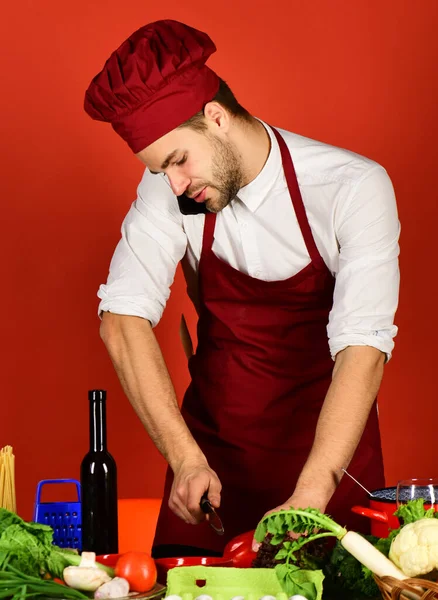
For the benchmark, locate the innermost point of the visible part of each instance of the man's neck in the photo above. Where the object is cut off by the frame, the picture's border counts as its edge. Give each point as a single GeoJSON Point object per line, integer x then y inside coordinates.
{"type": "Point", "coordinates": [254, 145]}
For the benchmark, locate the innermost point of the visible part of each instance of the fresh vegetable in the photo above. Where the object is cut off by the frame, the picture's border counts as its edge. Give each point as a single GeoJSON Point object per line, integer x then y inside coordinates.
{"type": "Point", "coordinates": [240, 551]}
{"type": "Point", "coordinates": [313, 556]}
{"type": "Point", "coordinates": [139, 569]}
{"type": "Point", "coordinates": [29, 548]}
{"type": "Point", "coordinates": [305, 570]}
{"type": "Point", "coordinates": [343, 571]}
{"type": "Point", "coordinates": [409, 513]}
{"type": "Point", "coordinates": [116, 588]}
{"type": "Point", "coordinates": [296, 581]}
{"type": "Point", "coordinates": [414, 511]}
{"type": "Point", "coordinates": [87, 576]}
{"type": "Point", "coordinates": [345, 575]}
{"type": "Point", "coordinates": [415, 549]}
{"type": "Point", "coordinates": [18, 586]}
{"type": "Point", "coordinates": [303, 521]}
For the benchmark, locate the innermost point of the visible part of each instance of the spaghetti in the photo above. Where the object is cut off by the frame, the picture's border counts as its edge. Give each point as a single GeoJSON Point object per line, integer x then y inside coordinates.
{"type": "Point", "coordinates": [7, 479]}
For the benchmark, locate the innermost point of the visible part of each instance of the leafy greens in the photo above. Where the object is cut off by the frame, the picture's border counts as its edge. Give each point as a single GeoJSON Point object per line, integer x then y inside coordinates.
{"type": "Point", "coordinates": [28, 548]}
{"type": "Point", "coordinates": [342, 569]}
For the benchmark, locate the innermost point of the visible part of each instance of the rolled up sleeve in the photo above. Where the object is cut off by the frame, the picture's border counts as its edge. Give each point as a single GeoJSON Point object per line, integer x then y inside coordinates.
{"type": "Point", "coordinates": [144, 263]}
{"type": "Point", "coordinates": [368, 278]}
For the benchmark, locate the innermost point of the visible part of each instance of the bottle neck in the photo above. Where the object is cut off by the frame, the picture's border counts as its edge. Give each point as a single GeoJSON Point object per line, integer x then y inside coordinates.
{"type": "Point", "coordinates": [97, 425]}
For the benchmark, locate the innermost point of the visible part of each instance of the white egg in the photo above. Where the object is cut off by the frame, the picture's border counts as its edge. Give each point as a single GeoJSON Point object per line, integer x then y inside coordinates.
{"type": "Point", "coordinates": [298, 597]}
{"type": "Point", "coordinates": [204, 597]}
{"type": "Point", "coordinates": [238, 598]}
{"type": "Point", "coordinates": [268, 598]}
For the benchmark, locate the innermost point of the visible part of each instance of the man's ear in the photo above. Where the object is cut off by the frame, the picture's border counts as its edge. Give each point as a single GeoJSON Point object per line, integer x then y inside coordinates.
{"type": "Point", "coordinates": [217, 117]}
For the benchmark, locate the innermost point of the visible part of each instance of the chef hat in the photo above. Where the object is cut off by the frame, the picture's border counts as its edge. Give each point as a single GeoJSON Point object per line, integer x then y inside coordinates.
{"type": "Point", "coordinates": [155, 81]}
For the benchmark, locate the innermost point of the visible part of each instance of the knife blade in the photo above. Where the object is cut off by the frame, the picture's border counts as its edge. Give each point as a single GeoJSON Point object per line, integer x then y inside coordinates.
{"type": "Point", "coordinates": [213, 518]}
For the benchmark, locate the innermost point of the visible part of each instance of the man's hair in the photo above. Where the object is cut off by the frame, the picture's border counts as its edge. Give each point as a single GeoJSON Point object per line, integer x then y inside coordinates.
{"type": "Point", "coordinates": [225, 98]}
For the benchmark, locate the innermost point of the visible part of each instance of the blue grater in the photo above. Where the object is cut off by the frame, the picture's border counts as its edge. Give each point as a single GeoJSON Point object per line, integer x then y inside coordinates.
{"type": "Point", "coordinates": [64, 517]}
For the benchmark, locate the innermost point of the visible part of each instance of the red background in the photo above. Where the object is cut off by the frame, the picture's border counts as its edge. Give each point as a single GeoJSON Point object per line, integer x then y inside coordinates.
{"type": "Point", "coordinates": [361, 75]}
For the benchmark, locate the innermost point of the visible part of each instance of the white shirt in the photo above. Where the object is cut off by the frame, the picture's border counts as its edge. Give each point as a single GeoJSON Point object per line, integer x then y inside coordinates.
{"type": "Point", "coordinates": [351, 208]}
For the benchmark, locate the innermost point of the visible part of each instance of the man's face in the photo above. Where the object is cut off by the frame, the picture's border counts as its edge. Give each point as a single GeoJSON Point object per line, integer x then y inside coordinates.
{"type": "Point", "coordinates": [201, 165]}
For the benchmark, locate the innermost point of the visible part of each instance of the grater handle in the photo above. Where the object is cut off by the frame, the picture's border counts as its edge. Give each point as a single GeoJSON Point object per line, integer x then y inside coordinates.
{"type": "Point", "coordinates": [44, 481]}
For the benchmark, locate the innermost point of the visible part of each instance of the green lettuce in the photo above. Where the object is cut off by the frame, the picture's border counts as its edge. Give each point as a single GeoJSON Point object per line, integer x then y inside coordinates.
{"type": "Point", "coordinates": [296, 581]}
{"type": "Point", "coordinates": [29, 548]}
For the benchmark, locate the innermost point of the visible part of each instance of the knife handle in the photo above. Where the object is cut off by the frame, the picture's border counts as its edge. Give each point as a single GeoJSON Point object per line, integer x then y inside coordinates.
{"type": "Point", "coordinates": [205, 504]}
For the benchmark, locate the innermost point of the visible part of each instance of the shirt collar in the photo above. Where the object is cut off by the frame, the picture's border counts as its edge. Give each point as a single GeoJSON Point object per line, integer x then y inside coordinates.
{"type": "Point", "coordinates": [253, 194]}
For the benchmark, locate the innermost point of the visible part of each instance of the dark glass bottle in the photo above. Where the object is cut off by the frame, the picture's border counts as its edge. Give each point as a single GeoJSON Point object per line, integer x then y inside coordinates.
{"type": "Point", "coordinates": [99, 484]}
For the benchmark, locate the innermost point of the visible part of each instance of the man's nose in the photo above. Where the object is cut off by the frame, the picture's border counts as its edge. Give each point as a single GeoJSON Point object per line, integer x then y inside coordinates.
{"type": "Point", "coordinates": [179, 184]}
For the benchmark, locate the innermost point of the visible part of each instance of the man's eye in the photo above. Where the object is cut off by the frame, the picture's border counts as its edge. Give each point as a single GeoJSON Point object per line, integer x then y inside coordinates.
{"type": "Point", "coordinates": [182, 161]}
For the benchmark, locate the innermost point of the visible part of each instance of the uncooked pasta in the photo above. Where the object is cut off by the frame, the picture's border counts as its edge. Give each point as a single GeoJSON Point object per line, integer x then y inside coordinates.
{"type": "Point", "coordinates": [7, 479]}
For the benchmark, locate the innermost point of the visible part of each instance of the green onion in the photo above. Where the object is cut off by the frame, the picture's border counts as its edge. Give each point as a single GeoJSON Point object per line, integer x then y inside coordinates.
{"type": "Point", "coordinates": [18, 586]}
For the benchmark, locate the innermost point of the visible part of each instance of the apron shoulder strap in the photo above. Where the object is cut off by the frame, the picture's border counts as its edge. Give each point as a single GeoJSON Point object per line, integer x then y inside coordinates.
{"type": "Point", "coordinates": [208, 235]}
{"type": "Point", "coordinates": [297, 200]}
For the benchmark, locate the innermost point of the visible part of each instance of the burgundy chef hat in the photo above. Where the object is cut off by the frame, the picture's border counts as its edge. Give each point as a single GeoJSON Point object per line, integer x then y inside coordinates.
{"type": "Point", "coordinates": [154, 82]}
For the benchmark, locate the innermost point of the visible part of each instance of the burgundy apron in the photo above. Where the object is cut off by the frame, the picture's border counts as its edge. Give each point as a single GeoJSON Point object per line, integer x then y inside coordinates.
{"type": "Point", "coordinates": [260, 374]}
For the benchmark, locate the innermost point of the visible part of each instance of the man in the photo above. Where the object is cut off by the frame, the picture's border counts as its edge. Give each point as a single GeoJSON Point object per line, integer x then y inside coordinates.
{"type": "Point", "coordinates": [292, 264]}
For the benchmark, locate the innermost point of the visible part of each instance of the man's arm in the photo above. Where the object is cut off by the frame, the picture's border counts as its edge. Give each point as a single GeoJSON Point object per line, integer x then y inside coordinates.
{"type": "Point", "coordinates": [361, 331]}
{"type": "Point", "coordinates": [356, 380]}
{"type": "Point", "coordinates": [141, 273]}
{"type": "Point", "coordinates": [143, 374]}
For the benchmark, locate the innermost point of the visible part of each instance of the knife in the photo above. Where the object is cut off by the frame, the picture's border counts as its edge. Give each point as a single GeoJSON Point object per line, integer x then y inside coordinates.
{"type": "Point", "coordinates": [213, 517]}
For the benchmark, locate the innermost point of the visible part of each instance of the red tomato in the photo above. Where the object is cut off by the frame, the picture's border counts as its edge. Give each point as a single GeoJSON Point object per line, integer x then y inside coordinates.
{"type": "Point", "coordinates": [139, 569]}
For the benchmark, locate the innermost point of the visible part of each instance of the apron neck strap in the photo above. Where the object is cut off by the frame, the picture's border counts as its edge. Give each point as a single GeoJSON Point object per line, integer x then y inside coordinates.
{"type": "Point", "coordinates": [207, 238]}
{"type": "Point", "coordinates": [297, 200]}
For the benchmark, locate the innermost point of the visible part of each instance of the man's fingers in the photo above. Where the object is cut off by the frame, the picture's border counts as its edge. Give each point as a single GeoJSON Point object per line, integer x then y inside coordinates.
{"type": "Point", "coordinates": [181, 511]}
{"type": "Point", "coordinates": [187, 491]}
{"type": "Point", "coordinates": [196, 490]}
{"type": "Point", "coordinates": [215, 499]}
{"type": "Point", "coordinates": [178, 504]}
{"type": "Point", "coordinates": [214, 492]}
{"type": "Point", "coordinates": [294, 536]}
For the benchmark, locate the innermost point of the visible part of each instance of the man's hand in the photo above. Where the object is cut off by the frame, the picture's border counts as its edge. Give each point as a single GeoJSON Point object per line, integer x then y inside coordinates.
{"type": "Point", "coordinates": [191, 480]}
{"type": "Point", "coordinates": [297, 500]}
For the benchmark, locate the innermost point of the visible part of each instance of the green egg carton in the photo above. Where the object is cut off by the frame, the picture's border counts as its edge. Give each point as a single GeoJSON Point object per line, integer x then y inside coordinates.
{"type": "Point", "coordinates": [224, 583]}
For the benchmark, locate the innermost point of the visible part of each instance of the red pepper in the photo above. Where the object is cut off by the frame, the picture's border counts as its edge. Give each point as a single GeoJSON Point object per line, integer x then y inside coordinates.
{"type": "Point", "coordinates": [240, 551]}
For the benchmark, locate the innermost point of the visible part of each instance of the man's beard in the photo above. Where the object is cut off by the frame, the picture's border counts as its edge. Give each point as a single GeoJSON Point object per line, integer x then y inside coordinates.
{"type": "Point", "coordinates": [227, 174]}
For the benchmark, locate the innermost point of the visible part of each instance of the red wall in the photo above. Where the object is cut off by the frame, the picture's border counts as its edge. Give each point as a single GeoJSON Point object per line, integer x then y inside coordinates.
{"type": "Point", "coordinates": [361, 75]}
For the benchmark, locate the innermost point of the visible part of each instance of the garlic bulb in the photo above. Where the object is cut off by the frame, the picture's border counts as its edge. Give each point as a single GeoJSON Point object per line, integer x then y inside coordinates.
{"type": "Point", "coordinates": [116, 588]}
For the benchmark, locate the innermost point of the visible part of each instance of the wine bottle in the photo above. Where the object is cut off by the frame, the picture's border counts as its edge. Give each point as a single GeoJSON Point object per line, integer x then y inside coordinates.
{"type": "Point", "coordinates": [99, 484]}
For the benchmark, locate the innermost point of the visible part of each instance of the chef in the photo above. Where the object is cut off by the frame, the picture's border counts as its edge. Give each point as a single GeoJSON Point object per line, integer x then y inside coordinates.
{"type": "Point", "coordinates": [290, 251]}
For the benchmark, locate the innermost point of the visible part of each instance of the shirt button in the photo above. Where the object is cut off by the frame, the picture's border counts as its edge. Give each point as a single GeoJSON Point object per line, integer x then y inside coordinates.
{"type": "Point", "coordinates": [257, 273]}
